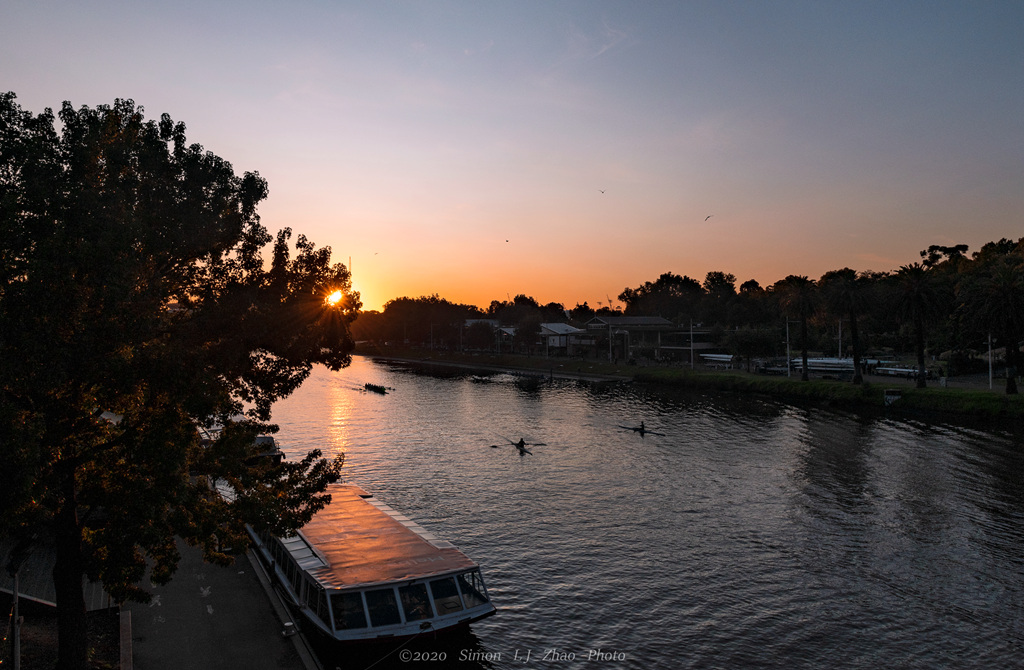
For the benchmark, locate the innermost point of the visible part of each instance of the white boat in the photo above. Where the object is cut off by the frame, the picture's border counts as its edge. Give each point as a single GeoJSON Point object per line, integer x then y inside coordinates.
{"type": "Point", "coordinates": [825, 364]}
{"type": "Point", "coordinates": [359, 571]}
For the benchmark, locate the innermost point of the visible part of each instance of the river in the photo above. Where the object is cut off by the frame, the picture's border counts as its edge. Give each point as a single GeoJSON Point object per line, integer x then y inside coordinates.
{"type": "Point", "coordinates": [740, 533]}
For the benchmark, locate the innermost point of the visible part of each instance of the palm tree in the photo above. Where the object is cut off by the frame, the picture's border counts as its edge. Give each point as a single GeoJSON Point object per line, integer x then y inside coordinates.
{"type": "Point", "coordinates": [918, 301]}
{"type": "Point", "coordinates": [798, 297]}
{"type": "Point", "coordinates": [993, 297]}
{"type": "Point", "coordinates": [845, 294]}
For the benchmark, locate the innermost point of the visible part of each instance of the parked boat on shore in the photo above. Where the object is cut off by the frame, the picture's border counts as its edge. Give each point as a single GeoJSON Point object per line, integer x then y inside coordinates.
{"type": "Point", "coordinates": [359, 571]}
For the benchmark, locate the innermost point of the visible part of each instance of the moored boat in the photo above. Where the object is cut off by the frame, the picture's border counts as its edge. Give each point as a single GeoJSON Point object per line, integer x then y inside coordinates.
{"type": "Point", "coordinates": [360, 571]}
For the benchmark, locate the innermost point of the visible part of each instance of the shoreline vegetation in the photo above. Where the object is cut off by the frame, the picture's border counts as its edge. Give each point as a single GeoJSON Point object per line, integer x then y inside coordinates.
{"type": "Point", "coordinates": [961, 398]}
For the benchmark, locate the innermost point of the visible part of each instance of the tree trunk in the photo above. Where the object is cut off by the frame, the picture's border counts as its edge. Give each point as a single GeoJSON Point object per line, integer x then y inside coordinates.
{"type": "Point", "coordinates": [72, 637]}
{"type": "Point", "coordinates": [855, 340]}
{"type": "Point", "coordinates": [1012, 359]}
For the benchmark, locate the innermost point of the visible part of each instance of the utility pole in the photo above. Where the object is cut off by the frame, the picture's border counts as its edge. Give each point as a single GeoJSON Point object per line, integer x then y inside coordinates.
{"type": "Point", "coordinates": [789, 359]}
{"type": "Point", "coordinates": [691, 344]}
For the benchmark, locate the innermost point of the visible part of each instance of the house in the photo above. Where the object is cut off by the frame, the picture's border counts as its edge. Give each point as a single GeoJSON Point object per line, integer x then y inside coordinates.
{"type": "Point", "coordinates": [561, 338]}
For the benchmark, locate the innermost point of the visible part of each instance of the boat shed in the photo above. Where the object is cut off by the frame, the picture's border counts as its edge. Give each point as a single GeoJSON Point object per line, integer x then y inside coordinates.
{"type": "Point", "coordinates": [561, 338]}
{"type": "Point", "coordinates": [626, 335]}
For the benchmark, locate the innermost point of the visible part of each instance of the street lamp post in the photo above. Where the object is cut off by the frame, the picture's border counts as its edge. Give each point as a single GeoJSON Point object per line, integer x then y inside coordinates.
{"type": "Point", "coordinates": [990, 361]}
{"type": "Point", "coordinates": [691, 344]}
{"type": "Point", "coordinates": [18, 556]}
{"type": "Point", "coordinates": [789, 359]}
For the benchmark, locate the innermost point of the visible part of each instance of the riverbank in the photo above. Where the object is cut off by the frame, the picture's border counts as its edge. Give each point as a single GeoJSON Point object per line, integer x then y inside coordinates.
{"type": "Point", "coordinates": [962, 397]}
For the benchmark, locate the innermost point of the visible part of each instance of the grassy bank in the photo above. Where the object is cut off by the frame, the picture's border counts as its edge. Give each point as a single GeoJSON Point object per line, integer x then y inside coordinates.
{"type": "Point", "coordinates": [967, 402]}
{"type": "Point", "coordinates": [932, 400]}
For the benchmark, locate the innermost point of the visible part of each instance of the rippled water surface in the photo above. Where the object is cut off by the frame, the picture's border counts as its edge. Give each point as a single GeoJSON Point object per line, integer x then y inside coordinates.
{"type": "Point", "coordinates": [747, 533]}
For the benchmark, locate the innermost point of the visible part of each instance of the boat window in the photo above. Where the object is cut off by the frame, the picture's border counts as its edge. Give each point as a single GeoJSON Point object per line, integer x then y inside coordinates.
{"type": "Point", "coordinates": [446, 596]}
{"type": "Point", "coordinates": [383, 607]}
{"type": "Point", "coordinates": [472, 586]}
{"type": "Point", "coordinates": [348, 610]}
{"type": "Point", "coordinates": [415, 602]}
{"type": "Point", "coordinates": [321, 607]}
{"type": "Point", "coordinates": [316, 601]}
{"type": "Point", "coordinates": [275, 550]}
{"type": "Point", "coordinates": [294, 576]}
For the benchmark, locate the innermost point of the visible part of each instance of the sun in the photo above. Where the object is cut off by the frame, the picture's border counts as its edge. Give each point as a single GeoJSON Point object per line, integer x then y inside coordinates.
{"type": "Point", "coordinates": [335, 298]}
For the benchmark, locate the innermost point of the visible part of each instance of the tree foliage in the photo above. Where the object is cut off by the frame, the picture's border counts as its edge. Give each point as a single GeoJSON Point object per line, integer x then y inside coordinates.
{"type": "Point", "coordinates": [427, 320]}
{"type": "Point", "coordinates": [990, 298]}
{"type": "Point", "coordinates": [798, 298]}
{"type": "Point", "coordinates": [846, 295]}
{"type": "Point", "coordinates": [918, 301]}
{"type": "Point", "coordinates": [670, 296]}
{"type": "Point", "coordinates": [135, 306]}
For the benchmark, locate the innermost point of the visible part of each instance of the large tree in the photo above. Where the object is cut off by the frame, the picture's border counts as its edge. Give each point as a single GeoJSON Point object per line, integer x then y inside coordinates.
{"type": "Point", "coordinates": [846, 295]}
{"type": "Point", "coordinates": [918, 297]}
{"type": "Point", "coordinates": [136, 306]}
{"type": "Point", "coordinates": [752, 306]}
{"type": "Point", "coordinates": [670, 296]}
{"type": "Point", "coordinates": [719, 295]}
{"type": "Point", "coordinates": [991, 298]}
{"type": "Point", "coordinates": [427, 320]}
{"type": "Point", "coordinates": [798, 298]}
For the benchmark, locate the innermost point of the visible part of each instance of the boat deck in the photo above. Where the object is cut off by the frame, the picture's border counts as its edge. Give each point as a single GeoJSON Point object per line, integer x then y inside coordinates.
{"type": "Point", "coordinates": [357, 540]}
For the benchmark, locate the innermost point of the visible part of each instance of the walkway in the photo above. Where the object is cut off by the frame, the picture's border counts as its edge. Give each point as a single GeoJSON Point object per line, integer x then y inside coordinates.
{"type": "Point", "coordinates": [210, 617]}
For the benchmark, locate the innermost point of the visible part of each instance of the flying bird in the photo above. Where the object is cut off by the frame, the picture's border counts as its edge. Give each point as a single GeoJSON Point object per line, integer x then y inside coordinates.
{"type": "Point", "coordinates": [601, 190]}
{"type": "Point", "coordinates": [708, 217]}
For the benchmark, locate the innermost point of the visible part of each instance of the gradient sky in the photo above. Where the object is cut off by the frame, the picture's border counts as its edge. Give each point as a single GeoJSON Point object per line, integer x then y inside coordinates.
{"type": "Point", "coordinates": [417, 137]}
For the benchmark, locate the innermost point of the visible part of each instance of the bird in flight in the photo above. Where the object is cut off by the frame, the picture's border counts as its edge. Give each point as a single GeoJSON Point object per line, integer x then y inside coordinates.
{"type": "Point", "coordinates": [601, 190]}
{"type": "Point", "coordinates": [708, 217]}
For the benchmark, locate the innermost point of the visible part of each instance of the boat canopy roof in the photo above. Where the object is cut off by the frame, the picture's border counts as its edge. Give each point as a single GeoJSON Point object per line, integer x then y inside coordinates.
{"type": "Point", "coordinates": [357, 540]}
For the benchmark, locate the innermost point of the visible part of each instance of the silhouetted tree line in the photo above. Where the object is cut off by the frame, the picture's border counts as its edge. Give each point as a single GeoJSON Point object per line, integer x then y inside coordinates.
{"type": "Point", "coordinates": [434, 321]}
{"type": "Point", "coordinates": [948, 302]}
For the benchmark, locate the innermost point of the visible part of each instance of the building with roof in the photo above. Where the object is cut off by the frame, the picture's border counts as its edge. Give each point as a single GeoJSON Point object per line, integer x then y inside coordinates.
{"type": "Point", "coordinates": [632, 337]}
{"type": "Point", "coordinates": [563, 339]}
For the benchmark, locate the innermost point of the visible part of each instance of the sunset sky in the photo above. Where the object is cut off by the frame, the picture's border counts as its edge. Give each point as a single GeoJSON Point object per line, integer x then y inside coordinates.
{"type": "Point", "coordinates": [568, 150]}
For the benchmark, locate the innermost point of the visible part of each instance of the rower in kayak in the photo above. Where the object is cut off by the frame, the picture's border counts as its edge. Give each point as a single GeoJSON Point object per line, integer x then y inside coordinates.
{"type": "Point", "coordinates": [642, 429]}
